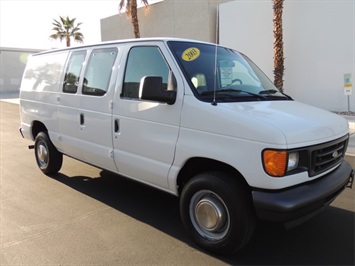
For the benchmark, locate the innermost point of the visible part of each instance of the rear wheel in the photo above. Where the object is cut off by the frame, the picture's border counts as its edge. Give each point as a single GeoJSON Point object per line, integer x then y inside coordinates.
{"type": "Point", "coordinates": [216, 211]}
{"type": "Point", "coordinates": [48, 158]}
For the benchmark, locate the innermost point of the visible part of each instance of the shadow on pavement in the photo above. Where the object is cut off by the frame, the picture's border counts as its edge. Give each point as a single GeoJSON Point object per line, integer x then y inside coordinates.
{"type": "Point", "coordinates": [327, 239]}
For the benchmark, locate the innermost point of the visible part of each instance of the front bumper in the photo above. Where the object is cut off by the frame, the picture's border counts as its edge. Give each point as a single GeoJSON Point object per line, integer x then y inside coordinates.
{"type": "Point", "coordinates": [303, 201]}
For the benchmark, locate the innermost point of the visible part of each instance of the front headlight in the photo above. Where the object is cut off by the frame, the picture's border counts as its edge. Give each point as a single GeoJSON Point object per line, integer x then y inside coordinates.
{"type": "Point", "coordinates": [278, 162]}
{"type": "Point", "coordinates": [293, 159]}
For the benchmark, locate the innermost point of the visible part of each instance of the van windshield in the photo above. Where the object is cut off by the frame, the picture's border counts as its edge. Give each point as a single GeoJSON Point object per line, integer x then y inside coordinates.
{"type": "Point", "coordinates": [220, 74]}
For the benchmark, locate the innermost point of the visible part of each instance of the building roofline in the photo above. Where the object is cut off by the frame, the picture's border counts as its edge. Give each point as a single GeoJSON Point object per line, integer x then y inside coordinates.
{"type": "Point", "coordinates": [15, 49]}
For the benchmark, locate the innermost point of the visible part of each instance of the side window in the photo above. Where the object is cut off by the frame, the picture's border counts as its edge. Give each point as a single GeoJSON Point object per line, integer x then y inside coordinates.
{"type": "Point", "coordinates": [72, 73]}
{"type": "Point", "coordinates": [199, 82]}
{"type": "Point", "coordinates": [143, 61]}
{"type": "Point", "coordinates": [98, 71]}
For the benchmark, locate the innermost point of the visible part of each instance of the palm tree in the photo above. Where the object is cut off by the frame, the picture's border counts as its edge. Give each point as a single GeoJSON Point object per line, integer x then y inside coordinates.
{"type": "Point", "coordinates": [131, 11]}
{"type": "Point", "coordinates": [278, 45]}
{"type": "Point", "coordinates": [66, 29]}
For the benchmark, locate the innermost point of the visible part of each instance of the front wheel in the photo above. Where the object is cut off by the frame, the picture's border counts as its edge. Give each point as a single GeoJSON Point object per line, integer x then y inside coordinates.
{"type": "Point", "coordinates": [216, 211]}
{"type": "Point", "coordinates": [48, 158]}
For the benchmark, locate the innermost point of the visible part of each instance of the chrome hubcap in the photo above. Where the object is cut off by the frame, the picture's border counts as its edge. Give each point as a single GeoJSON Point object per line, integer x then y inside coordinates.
{"type": "Point", "coordinates": [42, 154]}
{"type": "Point", "coordinates": [209, 215]}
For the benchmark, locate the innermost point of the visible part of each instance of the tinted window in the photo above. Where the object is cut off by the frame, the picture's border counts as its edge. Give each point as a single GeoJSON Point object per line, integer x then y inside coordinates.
{"type": "Point", "coordinates": [71, 79]}
{"type": "Point", "coordinates": [98, 71]}
{"type": "Point", "coordinates": [143, 61]}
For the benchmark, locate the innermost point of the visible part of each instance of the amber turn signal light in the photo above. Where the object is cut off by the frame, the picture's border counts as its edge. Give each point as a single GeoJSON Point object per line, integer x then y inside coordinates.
{"type": "Point", "coordinates": [275, 162]}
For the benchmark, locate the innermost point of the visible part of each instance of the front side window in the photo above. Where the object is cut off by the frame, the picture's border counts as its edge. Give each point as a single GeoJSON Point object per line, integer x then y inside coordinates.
{"type": "Point", "coordinates": [143, 61]}
{"type": "Point", "coordinates": [72, 73]}
{"type": "Point", "coordinates": [220, 74]}
{"type": "Point", "coordinates": [98, 71]}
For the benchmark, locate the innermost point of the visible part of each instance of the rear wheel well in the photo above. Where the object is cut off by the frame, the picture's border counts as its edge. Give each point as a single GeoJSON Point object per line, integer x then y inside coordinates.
{"type": "Point", "coordinates": [198, 165]}
{"type": "Point", "coordinates": [38, 127]}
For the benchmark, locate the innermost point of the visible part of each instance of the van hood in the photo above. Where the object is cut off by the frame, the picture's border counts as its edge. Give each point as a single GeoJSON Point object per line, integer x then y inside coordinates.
{"type": "Point", "coordinates": [298, 122]}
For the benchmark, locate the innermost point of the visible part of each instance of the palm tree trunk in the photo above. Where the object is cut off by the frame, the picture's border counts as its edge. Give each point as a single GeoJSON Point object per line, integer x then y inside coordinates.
{"type": "Point", "coordinates": [134, 15]}
{"type": "Point", "coordinates": [278, 45]}
{"type": "Point", "coordinates": [68, 40]}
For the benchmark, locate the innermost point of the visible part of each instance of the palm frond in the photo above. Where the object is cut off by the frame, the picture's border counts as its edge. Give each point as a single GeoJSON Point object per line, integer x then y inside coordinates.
{"type": "Point", "coordinates": [66, 29]}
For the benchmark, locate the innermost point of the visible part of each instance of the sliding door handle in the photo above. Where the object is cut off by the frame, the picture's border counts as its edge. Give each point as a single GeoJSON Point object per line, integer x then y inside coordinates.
{"type": "Point", "coordinates": [82, 120]}
{"type": "Point", "coordinates": [117, 126]}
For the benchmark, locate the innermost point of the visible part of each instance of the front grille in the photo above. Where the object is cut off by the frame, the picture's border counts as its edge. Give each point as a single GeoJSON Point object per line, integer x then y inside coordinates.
{"type": "Point", "coordinates": [327, 155]}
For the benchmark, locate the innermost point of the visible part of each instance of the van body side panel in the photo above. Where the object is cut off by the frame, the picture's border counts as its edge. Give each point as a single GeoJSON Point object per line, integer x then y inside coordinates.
{"type": "Point", "coordinates": [69, 136]}
{"type": "Point", "coordinates": [144, 147]}
{"type": "Point", "coordinates": [68, 110]}
{"type": "Point", "coordinates": [208, 132]}
{"type": "Point", "coordinates": [96, 131]}
{"type": "Point", "coordinates": [147, 132]}
{"type": "Point", "coordinates": [95, 107]}
{"type": "Point", "coordinates": [40, 86]}
{"type": "Point", "coordinates": [238, 139]}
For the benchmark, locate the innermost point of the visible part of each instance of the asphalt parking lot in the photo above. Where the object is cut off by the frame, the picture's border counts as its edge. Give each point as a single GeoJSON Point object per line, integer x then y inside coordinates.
{"type": "Point", "coordinates": [86, 216]}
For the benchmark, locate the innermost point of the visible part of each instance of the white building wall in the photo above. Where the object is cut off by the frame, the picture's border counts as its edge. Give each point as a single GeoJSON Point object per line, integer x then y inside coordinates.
{"type": "Point", "coordinates": [245, 26]}
{"type": "Point", "coordinates": [319, 45]}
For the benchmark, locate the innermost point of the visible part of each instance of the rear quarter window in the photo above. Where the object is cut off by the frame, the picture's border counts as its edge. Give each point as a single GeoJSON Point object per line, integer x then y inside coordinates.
{"type": "Point", "coordinates": [44, 72]}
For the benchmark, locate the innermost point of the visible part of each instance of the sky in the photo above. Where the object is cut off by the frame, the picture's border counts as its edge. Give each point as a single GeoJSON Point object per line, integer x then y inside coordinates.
{"type": "Point", "coordinates": [28, 24]}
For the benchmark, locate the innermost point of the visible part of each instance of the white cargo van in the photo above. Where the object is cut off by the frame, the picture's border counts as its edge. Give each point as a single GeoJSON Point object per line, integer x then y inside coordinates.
{"type": "Point", "coordinates": [194, 119]}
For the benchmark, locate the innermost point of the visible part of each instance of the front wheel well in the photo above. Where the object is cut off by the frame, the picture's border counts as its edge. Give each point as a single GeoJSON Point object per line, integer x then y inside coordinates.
{"type": "Point", "coordinates": [198, 165]}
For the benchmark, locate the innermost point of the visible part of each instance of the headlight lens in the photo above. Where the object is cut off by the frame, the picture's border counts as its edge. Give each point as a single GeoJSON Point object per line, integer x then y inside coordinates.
{"type": "Point", "coordinates": [293, 159]}
{"type": "Point", "coordinates": [278, 162]}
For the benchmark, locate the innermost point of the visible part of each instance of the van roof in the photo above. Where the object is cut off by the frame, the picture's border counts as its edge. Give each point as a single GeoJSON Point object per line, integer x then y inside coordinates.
{"type": "Point", "coordinates": [162, 39]}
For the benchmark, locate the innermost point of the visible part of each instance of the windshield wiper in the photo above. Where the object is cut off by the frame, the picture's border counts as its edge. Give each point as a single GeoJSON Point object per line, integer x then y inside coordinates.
{"type": "Point", "coordinates": [268, 92]}
{"type": "Point", "coordinates": [253, 94]}
{"type": "Point", "coordinates": [275, 91]}
{"type": "Point", "coordinates": [218, 91]}
{"type": "Point", "coordinates": [228, 91]}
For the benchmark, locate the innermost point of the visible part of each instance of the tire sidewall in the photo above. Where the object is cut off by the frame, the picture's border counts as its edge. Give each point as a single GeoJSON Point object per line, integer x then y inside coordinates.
{"type": "Point", "coordinates": [237, 202]}
{"type": "Point", "coordinates": [54, 158]}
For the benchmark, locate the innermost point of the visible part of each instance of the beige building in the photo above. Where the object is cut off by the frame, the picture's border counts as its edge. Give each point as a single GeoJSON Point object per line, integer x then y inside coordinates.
{"type": "Point", "coordinates": [192, 19]}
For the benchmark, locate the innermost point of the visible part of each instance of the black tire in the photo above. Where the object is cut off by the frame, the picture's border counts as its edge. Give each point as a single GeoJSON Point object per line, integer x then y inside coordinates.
{"type": "Point", "coordinates": [216, 211]}
{"type": "Point", "coordinates": [48, 158]}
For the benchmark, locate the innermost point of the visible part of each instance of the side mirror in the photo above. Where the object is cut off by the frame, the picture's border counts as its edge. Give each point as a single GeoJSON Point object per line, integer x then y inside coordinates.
{"type": "Point", "coordinates": [151, 88]}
